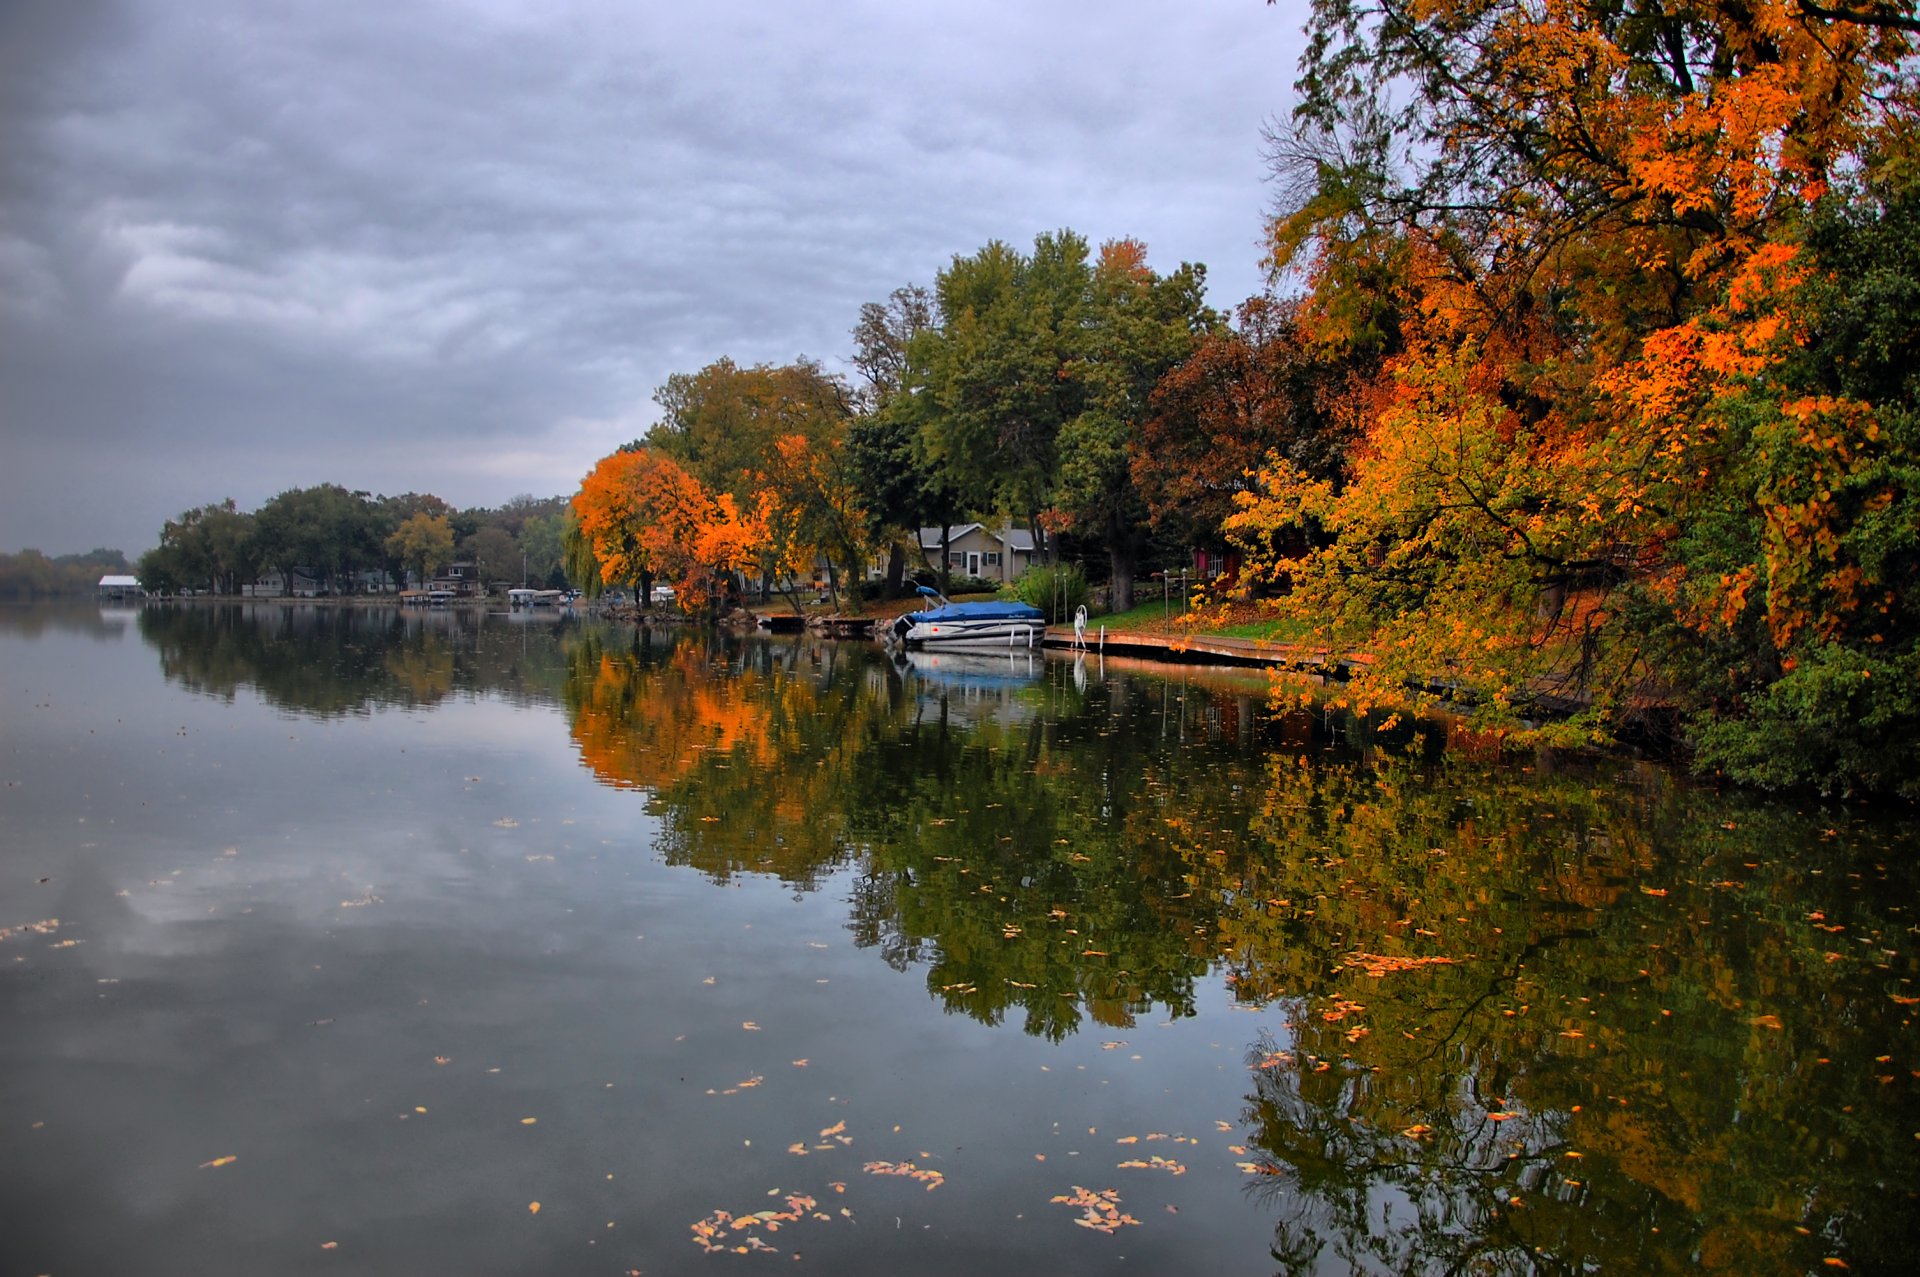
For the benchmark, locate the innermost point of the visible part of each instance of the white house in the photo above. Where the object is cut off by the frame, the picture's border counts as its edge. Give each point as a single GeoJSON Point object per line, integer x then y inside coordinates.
{"type": "Point", "coordinates": [974, 549]}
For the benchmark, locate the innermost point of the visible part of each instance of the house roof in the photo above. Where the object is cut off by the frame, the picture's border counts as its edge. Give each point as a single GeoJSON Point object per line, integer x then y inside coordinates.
{"type": "Point", "coordinates": [1019, 539]}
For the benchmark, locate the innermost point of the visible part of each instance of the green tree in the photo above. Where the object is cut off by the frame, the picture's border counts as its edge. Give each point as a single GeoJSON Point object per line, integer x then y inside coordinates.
{"type": "Point", "coordinates": [1139, 326]}
{"type": "Point", "coordinates": [542, 543]}
{"type": "Point", "coordinates": [996, 374]}
{"type": "Point", "coordinates": [325, 528]}
{"type": "Point", "coordinates": [495, 555]}
{"type": "Point", "coordinates": [212, 547]}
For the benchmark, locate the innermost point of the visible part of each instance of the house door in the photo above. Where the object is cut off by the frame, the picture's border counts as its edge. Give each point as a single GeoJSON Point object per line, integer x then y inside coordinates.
{"type": "Point", "coordinates": [973, 564]}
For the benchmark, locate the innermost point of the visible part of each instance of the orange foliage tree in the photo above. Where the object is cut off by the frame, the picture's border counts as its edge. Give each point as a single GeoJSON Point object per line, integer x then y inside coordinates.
{"type": "Point", "coordinates": [1580, 235]}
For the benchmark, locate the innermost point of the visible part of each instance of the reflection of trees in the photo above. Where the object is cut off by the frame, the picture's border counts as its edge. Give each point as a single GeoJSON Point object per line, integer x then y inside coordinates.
{"type": "Point", "coordinates": [330, 661]}
{"type": "Point", "coordinates": [1617, 1069]}
{"type": "Point", "coordinates": [1531, 1015]}
{"type": "Point", "coordinates": [745, 749]}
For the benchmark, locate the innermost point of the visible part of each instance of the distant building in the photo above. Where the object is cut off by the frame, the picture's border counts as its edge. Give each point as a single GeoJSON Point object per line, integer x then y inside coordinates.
{"type": "Point", "coordinates": [302, 583]}
{"type": "Point", "coordinates": [114, 586]}
{"type": "Point", "coordinates": [973, 549]}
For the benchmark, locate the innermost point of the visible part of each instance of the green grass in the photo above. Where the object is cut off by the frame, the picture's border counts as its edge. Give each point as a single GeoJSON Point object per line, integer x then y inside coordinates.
{"type": "Point", "coordinates": [1273, 630]}
{"type": "Point", "coordinates": [1154, 618]}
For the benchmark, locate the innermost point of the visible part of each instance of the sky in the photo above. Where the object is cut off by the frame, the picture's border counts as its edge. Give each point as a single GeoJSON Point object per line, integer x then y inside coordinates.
{"type": "Point", "coordinates": [452, 246]}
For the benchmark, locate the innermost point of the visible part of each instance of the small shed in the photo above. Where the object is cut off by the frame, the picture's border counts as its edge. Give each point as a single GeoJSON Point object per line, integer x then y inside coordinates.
{"type": "Point", "coordinates": [117, 586]}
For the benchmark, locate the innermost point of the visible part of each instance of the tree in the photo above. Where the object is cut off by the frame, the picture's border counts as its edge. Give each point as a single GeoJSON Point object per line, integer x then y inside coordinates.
{"type": "Point", "coordinates": [809, 506]}
{"type": "Point", "coordinates": [994, 377]}
{"type": "Point", "coordinates": [1588, 226]}
{"type": "Point", "coordinates": [212, 547]}
{"type": "Point", "coordinates": [423, 543]}
{"type": "Point", "coordinates": [495, 554]}
{"type": "Point", "coordinates": [324, 528]}
{"type": "Point", "coordinates": [542, 545]}
{"type": "Point", "coordinates": [1140, 325]}
{"type": "Point", "coordinates": [640, 515]}
{"type": "Point", "coordinates": [1248, 390]}
{"type": "Point", "coordinates": [720, 423]}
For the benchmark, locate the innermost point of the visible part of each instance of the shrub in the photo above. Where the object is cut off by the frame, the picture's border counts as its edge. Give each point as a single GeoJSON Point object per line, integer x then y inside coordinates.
{"type": "Point", "coordinates": [1055, 588]}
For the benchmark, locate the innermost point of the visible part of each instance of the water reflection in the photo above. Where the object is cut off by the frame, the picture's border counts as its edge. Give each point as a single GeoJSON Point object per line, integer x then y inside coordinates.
{"type": "Point", "coordinates": [1536, 1018]}
{"type": "Point", "coordinates": [1549, 1017]}
{"type": "Point", "coordinates": [327, 662]}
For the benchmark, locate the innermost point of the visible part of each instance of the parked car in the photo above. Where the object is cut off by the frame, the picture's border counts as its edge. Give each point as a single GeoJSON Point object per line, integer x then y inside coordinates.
{"type": "Point", "coordinates": [662, 595]}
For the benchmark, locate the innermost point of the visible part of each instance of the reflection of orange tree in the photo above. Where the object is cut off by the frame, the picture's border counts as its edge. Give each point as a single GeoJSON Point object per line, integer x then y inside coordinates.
{"type": "Point", "coordinates": [1602, 1054]}
{"type": "Point", "coordinates": [744, 752]}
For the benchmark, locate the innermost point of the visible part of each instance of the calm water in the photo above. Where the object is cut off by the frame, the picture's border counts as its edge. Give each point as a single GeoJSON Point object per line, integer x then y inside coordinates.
{"type": "Point", "coordinates": [334, 941]}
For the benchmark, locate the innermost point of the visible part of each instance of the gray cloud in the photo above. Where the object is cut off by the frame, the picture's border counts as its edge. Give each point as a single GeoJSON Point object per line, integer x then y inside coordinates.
{"type": "Point", "coordinates": [247, 244]}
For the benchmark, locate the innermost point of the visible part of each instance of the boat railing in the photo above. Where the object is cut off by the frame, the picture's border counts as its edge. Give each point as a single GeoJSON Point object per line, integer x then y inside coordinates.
{"type": "Point", "coordinates": [1019, 630]}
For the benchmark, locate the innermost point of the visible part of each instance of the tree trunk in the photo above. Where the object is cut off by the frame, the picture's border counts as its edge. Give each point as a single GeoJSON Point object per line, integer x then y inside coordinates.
{"type": "Point", "coordinates": [1120, 589]}
{"type": "Point", "coordinates": [896, 568]}
{"type": "Point", "coordinates": [946, 557]}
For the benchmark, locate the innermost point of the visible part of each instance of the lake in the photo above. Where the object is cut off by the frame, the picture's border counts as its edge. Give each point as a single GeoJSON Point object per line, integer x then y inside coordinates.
{"type": "Point", "coordinates": [348, 941]}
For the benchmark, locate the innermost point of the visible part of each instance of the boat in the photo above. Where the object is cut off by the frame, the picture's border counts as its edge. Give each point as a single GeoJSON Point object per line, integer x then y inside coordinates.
{"type": "Point", "coordinates": [996, 623]}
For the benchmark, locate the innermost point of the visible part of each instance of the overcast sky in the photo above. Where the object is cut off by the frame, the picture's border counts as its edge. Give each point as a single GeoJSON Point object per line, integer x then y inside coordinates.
{"type": "Point", "coordinates": [452, 246]}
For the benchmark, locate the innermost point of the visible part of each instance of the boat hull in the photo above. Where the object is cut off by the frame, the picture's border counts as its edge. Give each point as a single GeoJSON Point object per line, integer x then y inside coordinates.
{"type": "Point", "coordinates": [984, 633]}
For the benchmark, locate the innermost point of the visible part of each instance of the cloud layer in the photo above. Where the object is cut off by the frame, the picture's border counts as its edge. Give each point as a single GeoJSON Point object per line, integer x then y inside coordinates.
{"type": "Point", "coordinates": [249, 244]}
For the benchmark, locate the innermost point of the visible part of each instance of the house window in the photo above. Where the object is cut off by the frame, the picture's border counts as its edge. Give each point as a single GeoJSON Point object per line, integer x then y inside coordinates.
{"type": "Point", "coordinates": [956, 561]}
{"type": "Point", "coordinates": [991, 558]}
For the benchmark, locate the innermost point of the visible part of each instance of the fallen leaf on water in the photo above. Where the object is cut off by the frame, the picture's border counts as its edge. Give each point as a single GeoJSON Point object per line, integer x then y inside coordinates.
{"type": "Point", "coordinates": [442, 1059]}
{"type": "Point", "coordinates": [528, 1121]}
{"type": "Point", "coordinates": [1099, 1209]}
{"type": "Point", "coordinates": [329, 1245]}
{"type": "Point", "coordinates": [533, 1208]}
{"type": "Point", "coordinates": [749, 1026]}
{"type": "Point", "coordinates": [219, 1161]}
{"type": "Point", "coordinates": [931, 1178]}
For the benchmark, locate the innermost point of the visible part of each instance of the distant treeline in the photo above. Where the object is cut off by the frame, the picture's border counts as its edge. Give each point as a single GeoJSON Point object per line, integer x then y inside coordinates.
{"type": "Point", "coordinates": [335, 537]}
{"type": "Point", "coordinates": [31, 574]}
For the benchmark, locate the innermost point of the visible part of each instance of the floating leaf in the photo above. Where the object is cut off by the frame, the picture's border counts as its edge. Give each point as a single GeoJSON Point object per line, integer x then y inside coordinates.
{"type": "Point", "coordinates": [219, 1161]}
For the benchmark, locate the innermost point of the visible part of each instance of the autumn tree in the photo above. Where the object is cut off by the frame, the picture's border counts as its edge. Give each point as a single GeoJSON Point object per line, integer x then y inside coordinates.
{"type": "Point", "coordinates": [1589, 226]}
{"type": "Point", "coordinates": [720, 423]}
{"type": "Point", "coordinates": [424, 543]}
{"type": "Point", "coordinates": [1255, 388]}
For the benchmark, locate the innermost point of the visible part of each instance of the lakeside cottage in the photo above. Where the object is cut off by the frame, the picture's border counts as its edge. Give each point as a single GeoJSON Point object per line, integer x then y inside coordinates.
{"type": "Point", "coordinates": [977, 550]}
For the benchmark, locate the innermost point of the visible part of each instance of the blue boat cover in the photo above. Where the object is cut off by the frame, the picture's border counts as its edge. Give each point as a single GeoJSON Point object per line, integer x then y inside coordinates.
{"type": "Point", "coordinates": [993, 611]}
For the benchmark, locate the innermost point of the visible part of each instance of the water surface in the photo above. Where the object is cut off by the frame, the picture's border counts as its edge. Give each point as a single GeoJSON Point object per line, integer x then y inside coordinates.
{"type": "Point", "coordinates": [336, 939]}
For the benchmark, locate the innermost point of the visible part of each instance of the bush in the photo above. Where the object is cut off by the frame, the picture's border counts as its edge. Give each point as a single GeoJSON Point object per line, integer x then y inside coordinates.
{"type": "Point", "coordinates": [1056, 589]}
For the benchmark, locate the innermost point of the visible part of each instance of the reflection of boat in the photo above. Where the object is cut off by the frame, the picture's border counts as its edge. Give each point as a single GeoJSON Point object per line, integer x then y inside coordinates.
{"type": "Point", "coordinates": [976, 668]}
{"type": "Point", "coordinates": [520, 598]}
{"type": "Point", "coordinates": [1001, 624]}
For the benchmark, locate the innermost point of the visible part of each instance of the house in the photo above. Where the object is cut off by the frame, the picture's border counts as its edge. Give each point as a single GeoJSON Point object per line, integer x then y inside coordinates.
{"type": "Point", "coordinates": [973, 549]}
{"type": "Point", "coordinates": [115, 586]}
{"type": "Point", "coordinates": [462, 579]}
{"type": "Point", "coordinates": [306, 583]}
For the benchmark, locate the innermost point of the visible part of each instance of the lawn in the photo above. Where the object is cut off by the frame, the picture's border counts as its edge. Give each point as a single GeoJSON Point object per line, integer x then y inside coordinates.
{"type": "Point", "coordinates": [1248, 621]}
